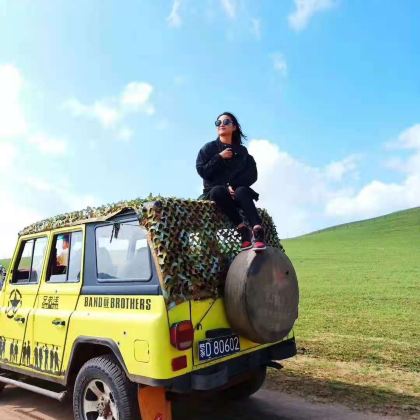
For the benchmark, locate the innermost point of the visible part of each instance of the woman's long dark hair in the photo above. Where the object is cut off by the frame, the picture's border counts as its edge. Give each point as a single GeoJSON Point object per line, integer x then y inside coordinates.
{"type": "Point", "coordinates": [237, 135]}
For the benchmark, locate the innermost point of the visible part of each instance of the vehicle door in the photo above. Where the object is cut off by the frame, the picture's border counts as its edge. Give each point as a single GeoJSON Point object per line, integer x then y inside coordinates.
{"type": "Point", "coordinates": [20, 291]}
{"type": "Point", "coordinates": [57, 298]}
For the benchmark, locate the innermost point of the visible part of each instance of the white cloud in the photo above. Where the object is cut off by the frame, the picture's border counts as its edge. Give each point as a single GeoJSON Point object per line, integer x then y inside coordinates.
{"type": "Point", "coordinates": [13, 217]}
{"type": "Point", "coordinates": [378, 197]}
{"type": "Point", "coordinates": [337, 170]}
{"type": "Point", "coordinates": [229, 7]}
{"type": "Point", "coordinates": [12, 119]}
{"type": "Point", "coordinates": [304, 198]}
{"type": "Point", "coordinates": [48, 145]}
{"type": "Point", "coordinates": [24, 197]}
{"type": "Point", "coordinates": [410, 138]}
{"type": "Point", "coordinates": [174, 18]}
{"type": "Point", "coordinates": [294, 192]}
{"type": "Point", "coordinates": [107, 115]}
{"type": "Point", "coordinates": [279, 63]}
{"type": "Point", "coordinates": [50, 198]}
{"type": "Point", "coordinates": [111, 112]}
{"type": "Point", "coordinates": [125, 134]}
{"type": "Point", "coordinates": [304, 11]}
{"type": "Point", "coordinates": [136, 95]}
{"type": "Point", "coordinates": [256, 27]}
{"type": "Point", "coordinates": [62, 190]}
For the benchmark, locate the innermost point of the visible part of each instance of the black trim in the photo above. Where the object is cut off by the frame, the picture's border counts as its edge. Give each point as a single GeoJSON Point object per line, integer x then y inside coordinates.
{"type": "Point", "coordinates": [219, 332]}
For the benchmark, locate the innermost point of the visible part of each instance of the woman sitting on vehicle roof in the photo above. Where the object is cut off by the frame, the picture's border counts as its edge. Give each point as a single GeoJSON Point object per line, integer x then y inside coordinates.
{"type": "Point", "coordinates": [228, 171]}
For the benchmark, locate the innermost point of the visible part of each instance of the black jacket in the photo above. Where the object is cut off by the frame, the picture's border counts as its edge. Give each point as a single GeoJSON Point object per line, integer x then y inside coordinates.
{"type": "Point", "coordinates": [241, 170]}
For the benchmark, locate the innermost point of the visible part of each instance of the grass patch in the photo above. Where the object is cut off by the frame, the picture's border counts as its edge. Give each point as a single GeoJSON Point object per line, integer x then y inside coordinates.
{"type": "Point", "coordinates": [360, 294]}
{"type": "Point", "coordinates": [5, 262]}
{"type": "Point", "coordinates": [358, 385]}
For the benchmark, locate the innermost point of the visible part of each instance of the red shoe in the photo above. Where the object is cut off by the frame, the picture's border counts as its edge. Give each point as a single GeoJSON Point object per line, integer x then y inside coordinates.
{"type": "Point", "coordinates": [246, 238]}
{"type": "Point", "coordinates": [259, 242]}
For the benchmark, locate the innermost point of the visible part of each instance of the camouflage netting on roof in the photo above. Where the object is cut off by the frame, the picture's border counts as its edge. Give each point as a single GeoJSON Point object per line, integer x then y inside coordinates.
{"type": "Point", "coordinates": [193, 243]}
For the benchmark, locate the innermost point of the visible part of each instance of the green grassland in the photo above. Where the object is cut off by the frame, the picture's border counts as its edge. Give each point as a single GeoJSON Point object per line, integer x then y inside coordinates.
{"type": "Point", "coordinates": [360, 300]}
{"type": "Point", "coordinates": [4, 262]}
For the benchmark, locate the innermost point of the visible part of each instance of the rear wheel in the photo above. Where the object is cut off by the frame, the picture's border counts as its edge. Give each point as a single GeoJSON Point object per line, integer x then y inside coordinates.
{"type": "Point", "coordinates": [103, 391]}
{"type": "Point", "coordinates": [246, 388]}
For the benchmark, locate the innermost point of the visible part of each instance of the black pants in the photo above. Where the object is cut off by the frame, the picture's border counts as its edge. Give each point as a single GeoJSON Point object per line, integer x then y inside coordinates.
{"type": "Point", "coordinates": [243, 200]}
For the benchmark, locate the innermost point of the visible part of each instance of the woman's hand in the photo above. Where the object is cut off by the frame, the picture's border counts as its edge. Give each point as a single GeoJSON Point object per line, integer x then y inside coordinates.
{"type": "Point", "coordinates": [231, 191]}
{"type": "Point", "coordinates": [226, 154]}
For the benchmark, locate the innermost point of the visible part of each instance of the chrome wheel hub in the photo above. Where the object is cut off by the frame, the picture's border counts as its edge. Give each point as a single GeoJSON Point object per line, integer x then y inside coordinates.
{"type": "Point", "coordinates": [98, 402]}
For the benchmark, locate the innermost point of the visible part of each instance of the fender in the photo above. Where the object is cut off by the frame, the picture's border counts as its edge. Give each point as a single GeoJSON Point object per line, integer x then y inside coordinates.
{"type": "Point", "coordinates": [105, 342]}
{"type": "Point", "coordinates": [113, 346]}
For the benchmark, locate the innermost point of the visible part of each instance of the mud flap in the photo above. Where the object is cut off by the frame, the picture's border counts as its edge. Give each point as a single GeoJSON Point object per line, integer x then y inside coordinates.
{"type": "Point", "coordinates": [153, 403]}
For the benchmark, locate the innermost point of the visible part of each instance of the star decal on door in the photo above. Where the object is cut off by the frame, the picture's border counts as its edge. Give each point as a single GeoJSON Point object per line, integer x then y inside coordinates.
{"type": "Point", "coordinates": [15, 302]}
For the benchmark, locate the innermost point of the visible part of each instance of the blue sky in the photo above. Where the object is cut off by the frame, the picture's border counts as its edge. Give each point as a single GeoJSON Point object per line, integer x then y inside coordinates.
{"type": "Point", "coordinates": [102, 101]}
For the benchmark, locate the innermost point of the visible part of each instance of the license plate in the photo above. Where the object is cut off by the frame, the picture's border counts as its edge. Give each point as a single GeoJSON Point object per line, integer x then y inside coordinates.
{"type": "Point", "coordinates": [218, 347]}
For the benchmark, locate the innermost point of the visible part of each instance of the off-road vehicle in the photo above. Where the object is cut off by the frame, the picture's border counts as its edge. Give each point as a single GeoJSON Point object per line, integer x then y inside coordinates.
{"type": "Point", "coordinates": [107, 303]}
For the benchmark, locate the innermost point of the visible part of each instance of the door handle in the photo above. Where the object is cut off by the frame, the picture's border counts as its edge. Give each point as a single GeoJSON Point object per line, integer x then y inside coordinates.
{"type": "Point", "coordinates": [19, 318]}
{"type": "Point", "coordinates": [58, 322]}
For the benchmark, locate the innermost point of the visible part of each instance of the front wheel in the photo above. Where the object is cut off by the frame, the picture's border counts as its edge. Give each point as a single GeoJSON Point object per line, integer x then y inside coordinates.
{"type": "Point", "coordinates": [103, 391]}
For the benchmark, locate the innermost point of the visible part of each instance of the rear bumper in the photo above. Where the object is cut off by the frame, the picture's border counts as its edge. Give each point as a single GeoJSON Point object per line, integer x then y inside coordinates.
{"type": "Point", "coordinates": [217, 376]}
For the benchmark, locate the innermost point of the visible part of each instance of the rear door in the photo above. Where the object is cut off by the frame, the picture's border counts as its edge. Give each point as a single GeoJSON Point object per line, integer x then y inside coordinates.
{"type": "Point", "coordinates": [20, 294]}
{"type": "Point", "coordinates": [214, 340]}
{"type": "Point", "coordinates": [57, 298]}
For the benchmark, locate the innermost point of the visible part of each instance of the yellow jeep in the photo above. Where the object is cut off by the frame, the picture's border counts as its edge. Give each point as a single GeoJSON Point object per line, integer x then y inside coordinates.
{"type": "Point", "coordinates": [108, 301]}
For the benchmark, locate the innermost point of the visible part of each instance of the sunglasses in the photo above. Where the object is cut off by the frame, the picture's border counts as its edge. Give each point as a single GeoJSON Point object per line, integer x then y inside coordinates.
{"type": "Point", "coordinates": [226, 121]}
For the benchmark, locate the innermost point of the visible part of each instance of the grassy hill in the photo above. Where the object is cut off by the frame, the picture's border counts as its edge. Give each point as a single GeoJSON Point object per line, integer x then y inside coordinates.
{"type": "Point", "coordinates": [360, 299]}
{"type": "Point", "coordinates": [5, 262]}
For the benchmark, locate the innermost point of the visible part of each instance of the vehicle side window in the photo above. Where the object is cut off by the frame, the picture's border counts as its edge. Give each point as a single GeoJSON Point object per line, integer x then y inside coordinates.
{"type": "Point", "coordinates": [31, 258]}
{"type": "Point", "coordinates": [122, 253]}
{"type": "Point", "coordinates": [75, 262]}
{"type": "Point", "coordinates": [65, 258]}
{"type": "Point", "coordinates": [38, 259]}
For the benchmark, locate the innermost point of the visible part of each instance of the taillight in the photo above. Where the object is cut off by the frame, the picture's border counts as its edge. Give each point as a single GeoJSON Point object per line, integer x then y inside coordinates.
{"type": "Point", "coordinates": [182, 335]}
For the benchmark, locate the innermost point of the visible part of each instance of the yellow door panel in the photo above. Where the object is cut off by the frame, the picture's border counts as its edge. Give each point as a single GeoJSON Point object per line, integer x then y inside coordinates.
{"type": "Point", "coordinates": [57, 299]}
{"type": "Point", "coordinates": [20, 291]}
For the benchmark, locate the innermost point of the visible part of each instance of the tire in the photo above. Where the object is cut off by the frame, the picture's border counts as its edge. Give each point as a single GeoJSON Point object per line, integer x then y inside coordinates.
{"type": "Point", "coordinates": [104, 375]}
{"type": "Point", "coordinates": [262, 295]}
{"type": "Point", "coordinates": [246, 388]}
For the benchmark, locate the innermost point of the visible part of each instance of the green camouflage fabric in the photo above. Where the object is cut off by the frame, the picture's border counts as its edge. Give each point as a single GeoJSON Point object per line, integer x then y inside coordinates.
{"type": "Point", "coordinates": [192, 242]}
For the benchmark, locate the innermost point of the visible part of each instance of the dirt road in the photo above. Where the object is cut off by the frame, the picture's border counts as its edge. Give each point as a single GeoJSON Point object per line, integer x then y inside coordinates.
{"type": "Point", "coordinates": [17, 404]}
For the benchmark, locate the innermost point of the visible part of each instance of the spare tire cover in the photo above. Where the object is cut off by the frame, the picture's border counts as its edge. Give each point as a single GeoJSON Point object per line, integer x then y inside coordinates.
{"type": "Point", "coordinates": [262, 295]}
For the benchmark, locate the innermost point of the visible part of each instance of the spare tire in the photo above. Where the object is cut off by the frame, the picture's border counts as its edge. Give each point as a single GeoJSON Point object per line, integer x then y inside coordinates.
{"type": "Point", "coordinates": [262, 295]}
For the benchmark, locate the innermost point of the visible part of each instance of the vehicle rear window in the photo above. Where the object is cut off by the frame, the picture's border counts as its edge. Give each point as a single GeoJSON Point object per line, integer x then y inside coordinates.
{"type": "Point", "coordinates": [122, 252]}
